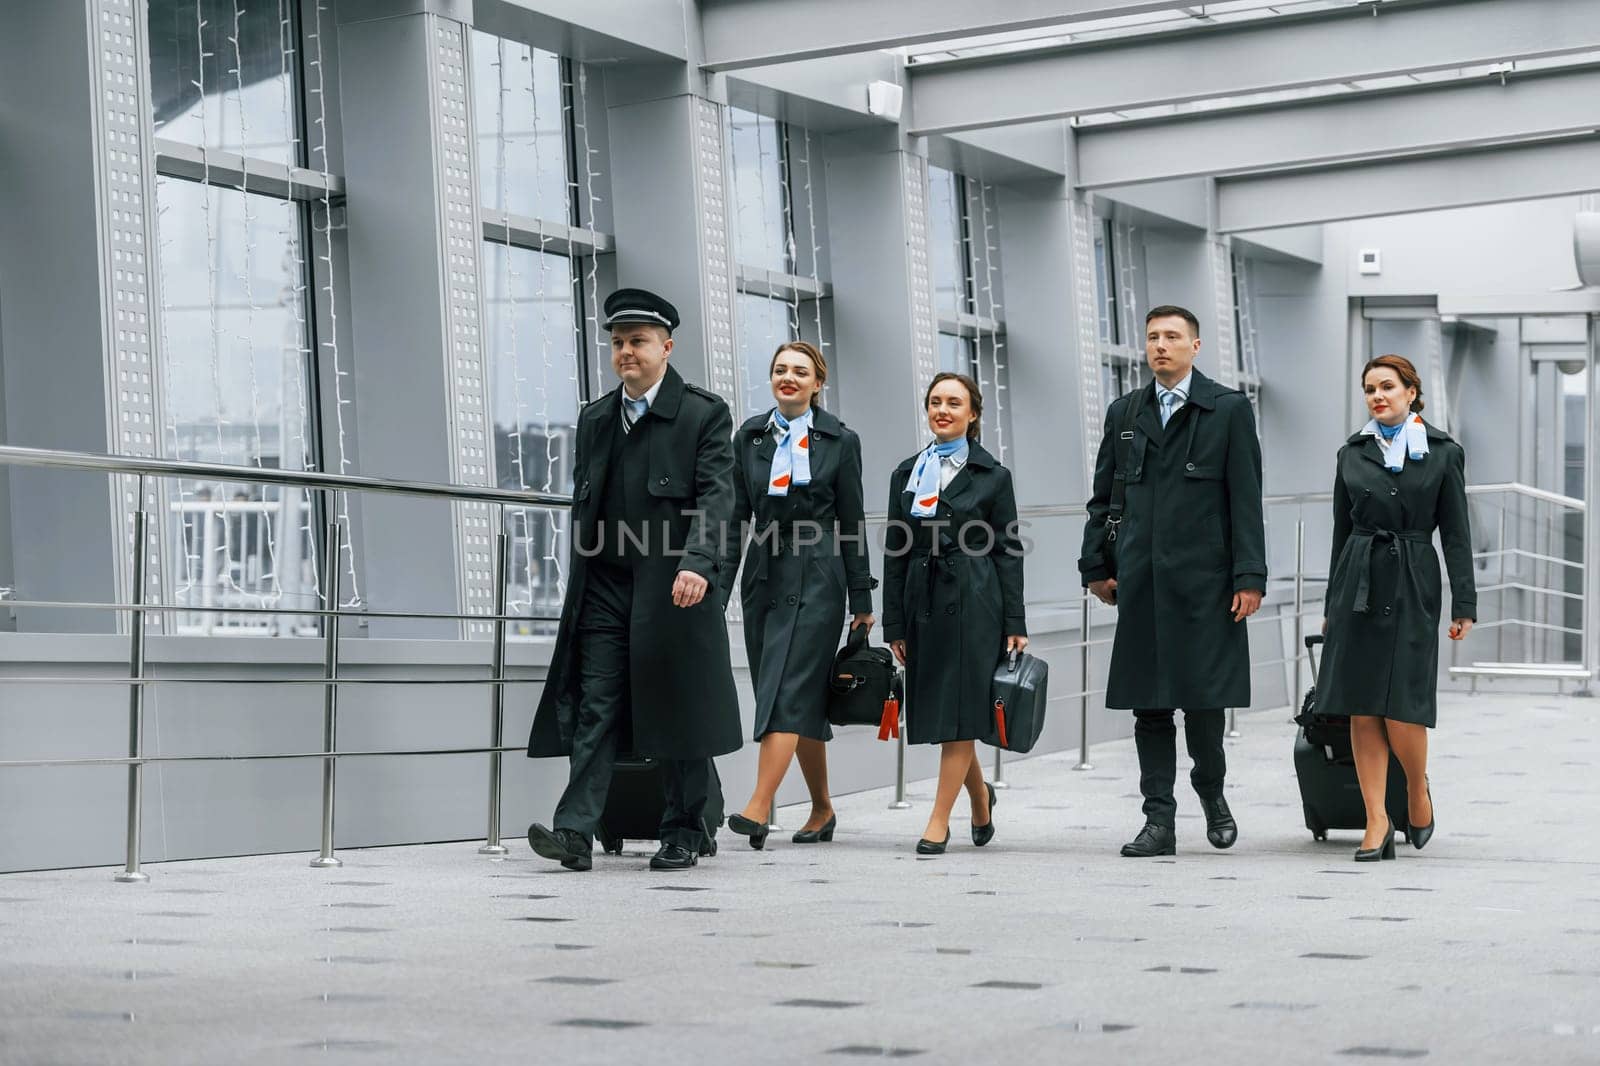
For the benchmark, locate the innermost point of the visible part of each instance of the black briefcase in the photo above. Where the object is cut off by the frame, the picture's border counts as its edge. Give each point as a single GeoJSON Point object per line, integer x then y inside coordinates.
{"type": "Point", "coordinates": [1018, 692]}
{"type": "Point", "coordinates": [864, 680]}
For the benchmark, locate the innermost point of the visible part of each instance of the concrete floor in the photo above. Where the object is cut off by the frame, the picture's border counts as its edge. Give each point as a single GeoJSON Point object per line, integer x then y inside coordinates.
{"type": "Point", "coordinates": [1044, 946]}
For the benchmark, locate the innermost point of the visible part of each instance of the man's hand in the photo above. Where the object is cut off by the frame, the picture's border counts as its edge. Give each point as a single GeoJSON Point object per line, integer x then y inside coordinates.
{"type": "Point", "coordinates": [899, 649]}
{"type": "Point", "coordinates": [1459, 627]}
{"type": "Point", "coordinates": [689, 589]}
{"type": "Point", "coordinates": [1246, 602]}
{"type": "Point", "coordinates": [1105, 591]}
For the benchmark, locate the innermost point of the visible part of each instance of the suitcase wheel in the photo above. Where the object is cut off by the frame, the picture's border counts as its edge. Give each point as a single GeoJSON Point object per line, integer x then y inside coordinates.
{"type": "Point", "coordinates": [1313, 823]}
{"type": "Point", "coordinates": [709, 847]}
{"type": "Point", "coordinates": [611, 845]}
{"type": "Point", "coordinates": [1319, 834]}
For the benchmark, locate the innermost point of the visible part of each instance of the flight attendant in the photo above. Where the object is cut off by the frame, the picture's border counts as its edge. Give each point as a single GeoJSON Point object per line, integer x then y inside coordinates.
{"type": "Point", "coordinates": [1397, 481]}
{"type": "Point", "coordinates": [952, 598]}
{"type": "Point", "coordinates": [797, 484]}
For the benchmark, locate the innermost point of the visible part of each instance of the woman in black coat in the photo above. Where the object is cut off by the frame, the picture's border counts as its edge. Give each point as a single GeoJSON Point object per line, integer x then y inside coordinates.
{"type": "Point", "coordinates": [797, 474]}
{"type": "Point", "coordinates": [1397, 481]}
{"type": "Point", "coordinates": [952, 598]}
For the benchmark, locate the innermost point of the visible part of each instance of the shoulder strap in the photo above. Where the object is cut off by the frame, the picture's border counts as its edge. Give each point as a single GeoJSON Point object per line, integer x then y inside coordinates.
{"type": "Point", "coordinates": [1119, 474]}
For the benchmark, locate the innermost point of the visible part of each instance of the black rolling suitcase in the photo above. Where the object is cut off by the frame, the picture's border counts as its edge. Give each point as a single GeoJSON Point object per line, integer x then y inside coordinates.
{"type": "Point", "coordinates": [1329, 792]}
{"type": "Point", "coordinates": [636, 799]}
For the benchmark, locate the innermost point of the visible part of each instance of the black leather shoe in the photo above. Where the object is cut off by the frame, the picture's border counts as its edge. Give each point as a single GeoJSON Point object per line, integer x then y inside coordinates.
{"type": "Point", "coordinates": [823, 834]}
{"type": "Point", "coordinates": [933, 847]}
{"type": "Point", "coordinates": [1421, 834]}
{"type": "Point", "coordinates": [565, 846]}
{"type": "Point", "coordinates": [1221, 829]}
{"type": "Point", "coordinates": [673, 857]}
{"type": "Point", "coordinates": [756, 831]}
{"type": "Point", "coordinates": [1382, 851]}
{"type": "Point", "coordinates": [1152, 840]}
{"type": "Point", "coordinates": [982, 834]}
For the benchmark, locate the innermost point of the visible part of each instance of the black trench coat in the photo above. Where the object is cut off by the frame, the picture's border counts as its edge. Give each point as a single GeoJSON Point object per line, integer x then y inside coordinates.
{"type": "Point", "coordinates": [953, 607]}
{"type": "Point", "coordinates": [1192, 535]}
{"type": "Point", "coordinates": [682, 698]}
{"type": "Point", "coordinates": [1382, 654]}
{"type": "Point", "coordinates": [794, 592]}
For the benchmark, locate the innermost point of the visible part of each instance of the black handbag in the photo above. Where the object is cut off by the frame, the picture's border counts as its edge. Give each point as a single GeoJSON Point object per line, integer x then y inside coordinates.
{"type": "Point", "coordinates": [865, 686]}
{"type": "Point", "coordinates": [1018, 692]}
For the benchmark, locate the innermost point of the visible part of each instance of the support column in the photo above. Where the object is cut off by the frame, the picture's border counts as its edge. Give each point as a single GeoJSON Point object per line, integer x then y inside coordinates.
{"type": "Point", "coordinates": [79, 331]}
{"type": "Point", "coordinates": [886, 332]}
{"type": "Point", "coordinates": [1591, 513]}
{"type": "Point", "coordinates": [671, 196]}
{"type": "Point", "coordinates": [420, 377]}
{"type": "Point", "coordinates": [1051, 326]}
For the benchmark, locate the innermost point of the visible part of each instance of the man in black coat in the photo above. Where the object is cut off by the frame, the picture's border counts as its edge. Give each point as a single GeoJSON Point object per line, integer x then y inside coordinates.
{"type": "Point", "coordinates": [642, 648]}
{"type": "Point", "coordinates": [1175, 540]}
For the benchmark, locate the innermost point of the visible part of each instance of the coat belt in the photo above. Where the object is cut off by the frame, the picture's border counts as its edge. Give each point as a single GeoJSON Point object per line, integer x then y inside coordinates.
{"type": "Point", "coordinates": [1369, 537]}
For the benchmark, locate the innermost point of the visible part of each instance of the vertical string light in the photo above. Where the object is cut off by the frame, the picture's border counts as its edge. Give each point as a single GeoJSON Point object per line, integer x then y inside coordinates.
{"type": "Point", "coordinates": [816, 253]}
{"type": "Point", "coordinates": [331, 344]}
{"type": "Point", "coordinates": [299, 292]}
{"type": "Point", "coordinates": [550, 562]}
{"type": "Point", "coordinates": [791, 256]}
{"type": "Point", "coordinates": [991, 251]}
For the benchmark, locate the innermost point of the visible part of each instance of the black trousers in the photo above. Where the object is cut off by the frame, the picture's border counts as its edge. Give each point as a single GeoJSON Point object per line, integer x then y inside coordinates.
{"type": "Point", "coordinates": [603, 678]}
{"type": "Point", "coordinates": [1156, 738]}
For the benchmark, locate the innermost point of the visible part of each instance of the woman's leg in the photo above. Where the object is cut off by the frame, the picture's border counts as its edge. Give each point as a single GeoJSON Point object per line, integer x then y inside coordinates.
{"type": "Point", "coordinates": [813, 755]}
{"type": "Point", "coordinates": [955, 762]}
{"type": "Point", "coordinates": [771, 764]}
{"type": "Point", "coordinates": [1410, 743]}
{"type": "Point", "coordinates": [1370, 746]}
{"type": "Point", "coordinates": [977, 792]}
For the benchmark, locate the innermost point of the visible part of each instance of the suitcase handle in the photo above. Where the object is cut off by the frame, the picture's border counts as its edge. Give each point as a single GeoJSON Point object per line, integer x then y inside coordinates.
{"type": "Point", "coordinates": [1013, 659]}
{"type": "Point", "coordinates": [1312, 641]}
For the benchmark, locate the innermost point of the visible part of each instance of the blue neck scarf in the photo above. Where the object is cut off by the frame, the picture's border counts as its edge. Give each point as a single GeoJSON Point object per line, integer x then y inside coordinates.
{"type": "Point", "coordinates": [1408, 440]}
{"type": "Point", "coordinates": [924, 482]}
{"type": "Point", "coordinates": [791, 463]}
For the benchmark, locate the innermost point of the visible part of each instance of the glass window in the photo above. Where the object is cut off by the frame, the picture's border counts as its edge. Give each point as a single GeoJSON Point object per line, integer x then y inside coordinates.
{"type": "Point", "coordinates": [223, 75]}
{"type": "Point", "coordinates": [957, 354]}
{"type": "Point", "coordinates": [947, 246]}
{"type": "Point", "coordinates": [236, 379]}
{"type": "Point", "coordinates": [763, 325]}
{"type": "Point", "coordinates": [761, 212]}
{"type": "Point", "coordinates": [523, 160]}
{"type": "Point", "coordinates": [534, 337]}
{"type": "Point", "coordinates": [1105, 286]}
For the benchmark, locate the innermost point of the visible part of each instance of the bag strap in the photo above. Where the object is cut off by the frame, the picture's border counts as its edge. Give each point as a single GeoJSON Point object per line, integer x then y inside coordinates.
{"type": "Point", "coordinates": [1120, 459]}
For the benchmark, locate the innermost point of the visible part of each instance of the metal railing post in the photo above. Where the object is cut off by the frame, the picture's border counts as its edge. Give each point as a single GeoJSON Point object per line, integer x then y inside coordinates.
{"type": "Point", "coordinates": [330, 693]}
{"type": "Point", "coordinates": [131, 874]}
{"type": "Point", "coordinates": [998, 779]}
{"type": "Point", "coordinates": [497, 691]}
{"type": "Point", "coordinates": [1083, 700]}
{"type": "Point", "coordinates": [1299, 613]}
{"type": "Point", "coordinates": [900, 802]}
{"type": "Point", "coordinates": [772, 817]}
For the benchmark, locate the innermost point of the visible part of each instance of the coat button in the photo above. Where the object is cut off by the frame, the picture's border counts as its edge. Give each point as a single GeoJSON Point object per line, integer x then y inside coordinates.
{"type": "Point", "coordinates": [793, 600]}
{"type": "Point", "coordinates": [1188, 466]}
{"type": "Point", "coordinates": [1388, 610]}
{"type": "Point", "coordinates": [771, 604]}
{"type": "Point", "coordinates": [756, 441]}
{"type": "Point", "coordinates": [950, 609]}
{"type": "Point", "coordinates": [1393, 550]}
{"type": "Point", "coordinates": [665, 480]}
{"type": "Point", "coordinates": [1394, 491]}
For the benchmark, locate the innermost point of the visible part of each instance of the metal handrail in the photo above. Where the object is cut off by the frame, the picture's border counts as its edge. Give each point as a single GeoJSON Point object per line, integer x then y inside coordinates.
{"type": "Point", "coordinates": [138, 681]}
{"type": "Point", "coordinates": [11, 455]}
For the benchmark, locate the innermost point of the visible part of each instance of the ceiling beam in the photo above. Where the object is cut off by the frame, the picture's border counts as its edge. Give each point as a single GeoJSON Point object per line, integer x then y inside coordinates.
{"type": "Point", "coordinates": [1399, 186]}
{"type": "Point", "coordinates": [752, 33]}
{"type": "Point", "coordinates": [1236, 59]}
{"type": "Point", "coordinates": [1341, 128]}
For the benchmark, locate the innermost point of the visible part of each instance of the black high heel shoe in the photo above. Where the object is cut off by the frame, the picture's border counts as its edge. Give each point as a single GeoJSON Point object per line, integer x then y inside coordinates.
{"type": "Point", "coordinates": [933, 847]}
{"type": "Point", "coordinates": [745, 827]}
{"type": "Point", "coordinates": [824, 833]}
{"type": "Point", "coordinates": [1421, 834]}
{"type": "Point", "coordinates": [1382, 851]}
{"type": "Point", "coordinates": [982, 834]}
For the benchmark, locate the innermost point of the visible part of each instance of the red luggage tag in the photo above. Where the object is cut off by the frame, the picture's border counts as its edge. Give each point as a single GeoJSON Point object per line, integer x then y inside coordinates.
{"type": "Point", "coordinates": [890, 725]}
{"type": "Point", "coordinates": [1000, 721]}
